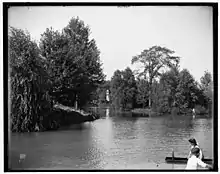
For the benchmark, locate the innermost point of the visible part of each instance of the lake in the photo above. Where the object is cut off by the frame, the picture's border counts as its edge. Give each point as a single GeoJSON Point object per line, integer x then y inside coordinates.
{"type": "Point", "coordinates": [115, 141]}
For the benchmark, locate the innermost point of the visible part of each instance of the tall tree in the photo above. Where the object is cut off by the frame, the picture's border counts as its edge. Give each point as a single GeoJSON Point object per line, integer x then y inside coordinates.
{"type": "Point", "coordinates": [116, 88]}
{"type": "Point", "coordinates": [153, 60]}
{"type": "Point", "coordinates": [186, 90]}
{"type": "Point", "coordinates": [123, 89]}
{"type": "Point", "coordinates": [129, 88]}
{"type": "Point", "coordinates": [30, 101]}
{"type": "Point", "coordinates": [170, 81]}
{"type": "Point", "coordinates": [207, 89]}
{"type": "Point", "coordinates": [74, 62]}
{"type": "Point", "coordinates": [207, 85]}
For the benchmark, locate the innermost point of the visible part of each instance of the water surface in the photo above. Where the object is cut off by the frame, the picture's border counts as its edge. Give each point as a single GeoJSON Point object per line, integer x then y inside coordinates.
{"type": "Point", "coordinates": [115, 141]}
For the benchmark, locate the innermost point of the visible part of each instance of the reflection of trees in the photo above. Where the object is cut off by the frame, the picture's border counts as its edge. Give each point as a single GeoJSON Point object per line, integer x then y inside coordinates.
{"type": "Point", "coordinates": [203, 133]}
{"type": "Point", "coordinates": [181, 122]}
{"type": "Point", "coordinates": [107, 112]}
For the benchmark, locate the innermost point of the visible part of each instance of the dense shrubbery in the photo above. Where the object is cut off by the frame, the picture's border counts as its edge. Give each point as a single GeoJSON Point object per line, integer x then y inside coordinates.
{"type": "Point", "coordinates": [66, 65]}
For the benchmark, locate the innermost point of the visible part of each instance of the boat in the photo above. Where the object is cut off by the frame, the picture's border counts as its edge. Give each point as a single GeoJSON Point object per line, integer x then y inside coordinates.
{"type": "Point", "coordinates": [179, 160]}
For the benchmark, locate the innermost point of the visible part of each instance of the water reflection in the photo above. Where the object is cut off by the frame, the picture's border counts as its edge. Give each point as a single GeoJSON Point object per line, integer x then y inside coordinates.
{"type": "Point", "coordinates": [107, 112]}
{"type": "Point", "coordinates": [202, 131]}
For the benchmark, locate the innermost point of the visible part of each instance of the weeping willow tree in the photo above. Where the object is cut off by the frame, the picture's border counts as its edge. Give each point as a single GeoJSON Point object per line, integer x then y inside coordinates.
{"type": "Point", "coordinates": [30, 103]}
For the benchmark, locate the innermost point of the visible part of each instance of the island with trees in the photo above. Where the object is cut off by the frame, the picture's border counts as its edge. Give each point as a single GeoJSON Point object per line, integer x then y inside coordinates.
{"type": "Point", "coordinates": [158, 86]}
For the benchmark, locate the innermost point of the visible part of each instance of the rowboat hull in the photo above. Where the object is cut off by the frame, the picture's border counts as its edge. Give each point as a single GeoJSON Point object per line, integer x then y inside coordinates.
{"type": "Point", "coordinates": [179, 160]}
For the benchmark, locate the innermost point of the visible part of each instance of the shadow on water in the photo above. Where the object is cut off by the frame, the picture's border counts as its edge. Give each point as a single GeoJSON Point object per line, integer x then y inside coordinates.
{"type": "Point", "coordinates": [81, 126]}
{"type": "Point", "coordinates": [139, 115]}
{"type": "Point", "coordinates": [179, 121]}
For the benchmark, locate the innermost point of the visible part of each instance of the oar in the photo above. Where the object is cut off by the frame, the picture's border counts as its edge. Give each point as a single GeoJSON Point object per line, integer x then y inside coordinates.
{"type": "Point", "coordinates": [172, 157]}
{"type": "Point", "coordinates": [172, 154]}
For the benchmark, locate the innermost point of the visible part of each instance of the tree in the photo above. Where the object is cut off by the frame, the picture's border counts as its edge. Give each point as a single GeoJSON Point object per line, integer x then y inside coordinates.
{"type": "Point", "coordinates": [142, 91]}
{"type": "Point", "coordinates": [207, 89]}
{"type": "Point", "coordinates": [30, 100]}
{"type": "Point", "coordinates": [129, 88]}
{"type": "Point", "coordinates": [116, 88]}
{"type": "Point", "coordinates": [74, 62]}
{"type": "Point", "coordinates": [153, 60]}
{"type": "Point", "coordinates": [170, 81]}
{"type": "Point", "coordinates": [123, 89]}
{"type": "Point", "coordinates": [207, 85]}
{"type": "Point", "coordinates": [186, 90]}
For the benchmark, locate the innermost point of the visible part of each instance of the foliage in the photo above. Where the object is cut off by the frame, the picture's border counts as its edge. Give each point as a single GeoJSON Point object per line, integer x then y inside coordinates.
{"type": "Point", "coordinates": [123, 89]}
{"type": "Point", "coordinates": [74, 62]}
{"type": "Point", "coordinates": [207, 85]}
{"type": "Point", "coordinates": [142, 91]}
{"type": "Point", "coordinates": [129, 88]}
{"type": "Point", "coordinates": [177, 89]}
{"type": "Point", "coordinates": [153, 60]}
{"type": "Point", "coordinates": [66, 65]}
{"type": "Point", "coordinates": [160, 102]}
{"type": "Point", "coordinates": [29, 83]}
{"type": "Point", "coordinates": [206, 80]}
{"type": "Point", "coordinates": [169, 82]}
{"type": "Point", "coordinates": [116, 88]}
{"type": "Point", "coordinates": [186, 90]}
{"type": "Point", "coordinates": [173, 91]}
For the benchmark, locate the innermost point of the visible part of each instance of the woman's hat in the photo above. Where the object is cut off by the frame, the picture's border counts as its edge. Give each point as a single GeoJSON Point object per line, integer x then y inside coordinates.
{"type": "Point", "coordinates": [193, 141]}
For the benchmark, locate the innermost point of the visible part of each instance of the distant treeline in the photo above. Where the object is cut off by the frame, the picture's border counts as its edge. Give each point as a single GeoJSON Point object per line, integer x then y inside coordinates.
{"type": "Point", "coordinates": [64, 66]}
{"type": "Point", "coordinates": [159, 85]}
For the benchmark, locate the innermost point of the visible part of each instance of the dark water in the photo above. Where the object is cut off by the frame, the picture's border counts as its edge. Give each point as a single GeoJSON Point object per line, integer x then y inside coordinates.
{"type": "Point", "coordinates": [116, 141]}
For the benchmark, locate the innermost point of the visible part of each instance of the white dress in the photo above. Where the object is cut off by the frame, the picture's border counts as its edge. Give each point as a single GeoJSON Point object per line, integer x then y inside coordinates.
{"type": "Point", "coordinates": [193, 163]}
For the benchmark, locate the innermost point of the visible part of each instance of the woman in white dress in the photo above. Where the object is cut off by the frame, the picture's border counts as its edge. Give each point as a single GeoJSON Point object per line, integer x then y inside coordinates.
{"type": "Point", "coordinates": [193, 145]}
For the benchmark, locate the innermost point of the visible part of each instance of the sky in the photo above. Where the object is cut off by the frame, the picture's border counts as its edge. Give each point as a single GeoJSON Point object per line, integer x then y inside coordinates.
{"type": "Point", "coordinates": [122, 33]}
